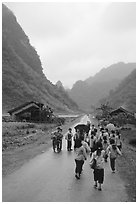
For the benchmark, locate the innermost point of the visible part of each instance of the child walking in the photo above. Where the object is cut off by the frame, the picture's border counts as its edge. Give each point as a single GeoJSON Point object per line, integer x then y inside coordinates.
{"type": "Point", "coordinates": [105, 146]}
{"type": "Point", "coordinates": [113, 152]}
{"type": "Point", "coordinates": [92, 143]}
{"type": "Point", "coordinates": [98, 172]}
{"type": "Point", "coordinates": [57, 139]}
{"type": "Point", "coordinates": [118, 141]}
{"type": "Point", "coordinates": [68, 137]}
{"type": "Point", "coordinates": [80, 157]}
{"type": "Point", "coordinates": [76, 137]}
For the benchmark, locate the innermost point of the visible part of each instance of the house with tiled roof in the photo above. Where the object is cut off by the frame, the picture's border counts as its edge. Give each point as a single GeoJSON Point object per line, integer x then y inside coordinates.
{"type": "Point", "coordinates": [121, 110]}
{"type": "Point", "coordinates": [29, 111]}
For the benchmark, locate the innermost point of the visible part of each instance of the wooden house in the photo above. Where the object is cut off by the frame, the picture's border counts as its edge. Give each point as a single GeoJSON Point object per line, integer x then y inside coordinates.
{"type": "Point", "coordinates": [121, 110]}
{"type": "Point", "coordinates": [29, 111]}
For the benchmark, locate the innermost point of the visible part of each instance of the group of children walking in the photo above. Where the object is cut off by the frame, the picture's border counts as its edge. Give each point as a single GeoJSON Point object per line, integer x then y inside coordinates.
{"type": "Point", "coordinates": [57, 137]}
{"type": "Point", "coordinates": [100, 143]}
{"type": "Point", "coordinates": [103, 144]}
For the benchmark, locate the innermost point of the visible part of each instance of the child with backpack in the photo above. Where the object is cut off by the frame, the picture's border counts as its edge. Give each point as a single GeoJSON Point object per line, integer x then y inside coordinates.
{"type": "Point", "coordinates": [98, 157]}
{"type": "Point", "coordinates": [92, 142]}
{"type": "Point", "coordinates": [118, 140]}
{"type": "Point", "coordinates": [80, 157]}
{"type": "Point", "coordinates": [113, 152]}
{"type": "Point", "coordinates": [105, 146]}
{"type": "Point", "coordinates": [56, 138]}
{"type": "Point", "coordinates": [76, 137]}
{"type": "Point", "coordinates": [59, 139]}
{"type": "Point", "coordinates": [68, 137]}
{"type": "Point", "coordinates": [112, 136]}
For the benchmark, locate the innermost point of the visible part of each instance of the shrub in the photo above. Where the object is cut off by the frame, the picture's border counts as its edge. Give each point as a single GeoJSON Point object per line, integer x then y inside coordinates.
{"type": "Point", "coordinates": [59, 121]}
{"type": "Point", "coordinates": [30, 126]}
{"type": "Point", "coordinates": [33, 131]}
{"type": "Point", "coordinates": [132, 142]}
{"type": "Point", "coordinates": [26, 126]}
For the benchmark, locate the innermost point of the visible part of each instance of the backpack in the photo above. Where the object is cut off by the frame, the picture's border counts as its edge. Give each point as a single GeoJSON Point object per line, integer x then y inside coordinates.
{"type": "Point", "coordinates": [59, 136]}
{"type": "Point", "coordinates": [69, 136]}
{"type": "Point", "coordinates": [114, 147]}
{"type": "Point", "coordinates": [93, 164]}
{"type": "Point", "coordinates": [104, 137]}
{"type": "Point", "coordinates": [93, 132]}
{"type": "Point", "coordinates": [113, 153]}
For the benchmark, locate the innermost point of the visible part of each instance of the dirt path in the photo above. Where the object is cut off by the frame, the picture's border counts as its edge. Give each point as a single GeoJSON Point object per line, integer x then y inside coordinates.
{"type": "Point", "coordinates": [50, 177]}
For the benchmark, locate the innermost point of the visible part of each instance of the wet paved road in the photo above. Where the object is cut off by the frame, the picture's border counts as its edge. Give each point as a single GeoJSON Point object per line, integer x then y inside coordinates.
{"type": "Point", "coordinates": [50, 177]}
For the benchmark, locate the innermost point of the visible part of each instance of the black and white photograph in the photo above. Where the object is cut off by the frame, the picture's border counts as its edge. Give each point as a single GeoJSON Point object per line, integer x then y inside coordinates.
{"type": "Point", "coordinates": [68, 101]}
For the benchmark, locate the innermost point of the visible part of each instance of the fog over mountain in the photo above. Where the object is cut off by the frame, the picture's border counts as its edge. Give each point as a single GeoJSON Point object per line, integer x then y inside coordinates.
{"type": "Point", "coordinates": [124, 94]}
{"type": "Point", "coordinates": [22, 73]}
{"type": "Point", "coordinates": [90, 91]}
{"type": "Point", "coordinates": [75, 40]}
{"type": "Point", "coordinates": [23, 78]}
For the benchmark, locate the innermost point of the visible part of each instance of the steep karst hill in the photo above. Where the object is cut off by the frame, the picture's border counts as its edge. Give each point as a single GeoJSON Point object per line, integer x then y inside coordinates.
{"type": "Point", "coordinates": [22, 73]}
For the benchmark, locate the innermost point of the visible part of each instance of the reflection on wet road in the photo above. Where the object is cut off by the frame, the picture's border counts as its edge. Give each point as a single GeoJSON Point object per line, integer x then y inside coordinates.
{"type": "Point", "coordinates": [50, 177]}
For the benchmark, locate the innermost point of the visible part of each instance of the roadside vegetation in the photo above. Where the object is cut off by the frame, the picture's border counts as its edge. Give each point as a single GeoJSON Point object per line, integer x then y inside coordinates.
{"type": "Point", "coordinates": [127, 162]}
{"type": "Point", "coordinates": [21, 141]}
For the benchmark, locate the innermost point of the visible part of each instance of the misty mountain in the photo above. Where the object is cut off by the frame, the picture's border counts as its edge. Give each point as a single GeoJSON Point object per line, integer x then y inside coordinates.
{"type": "Point", "coordinates": [90, 91]}
{"type": "Point", "coordinates": [125, 94]}
{"type": "Point", "coordinates": [114, 72]}
{"type": "Point", "coordinates": [60, 85]}
{"type": "Point", "coordinates": [22, 73]}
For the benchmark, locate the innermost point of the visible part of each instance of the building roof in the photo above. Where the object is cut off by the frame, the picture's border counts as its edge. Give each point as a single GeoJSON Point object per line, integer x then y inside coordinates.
{"type": "Point", "coordinates": [121, 110]}
{"type": "Point", "coordinates": [26, 106]}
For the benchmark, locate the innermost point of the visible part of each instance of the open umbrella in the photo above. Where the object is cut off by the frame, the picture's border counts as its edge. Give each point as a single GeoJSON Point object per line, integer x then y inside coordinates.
{"type": "Point", "coordinates": [82, 128]}
{"type": "Point", "coordinates": [110, 126]}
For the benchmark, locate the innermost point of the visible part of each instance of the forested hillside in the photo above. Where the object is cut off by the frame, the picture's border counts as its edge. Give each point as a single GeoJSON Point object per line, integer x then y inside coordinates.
{"type": "Point", "coordinates": [125, 94]}
{"type": "Point", "coordinates": [22, 73]}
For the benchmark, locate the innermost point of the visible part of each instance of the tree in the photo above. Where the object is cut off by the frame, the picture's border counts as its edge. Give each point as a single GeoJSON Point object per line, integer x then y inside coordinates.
{"type": "Point", "coordinates": [46, 114]}
{"type": "Point", "coordinates": [122, 119]}
{"type": "Point", "coordinates": [106, 109]}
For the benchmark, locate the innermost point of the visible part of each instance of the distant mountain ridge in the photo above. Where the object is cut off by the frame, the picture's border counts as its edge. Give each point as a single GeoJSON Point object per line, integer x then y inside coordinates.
{"type": "Point", "coordinates": [90, 91]}
{"type": "Point", "coordinates": [114, 72]}
{"type": "Point", "coordinates": [125, 94]}
{"type": "Point", "coordinates": [22, 74]}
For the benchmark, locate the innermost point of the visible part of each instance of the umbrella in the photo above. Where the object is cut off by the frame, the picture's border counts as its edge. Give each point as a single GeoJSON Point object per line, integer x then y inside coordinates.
{"type": "Point", "coordinates": [81, 127]}
{"type": "Point", "coordinates": [110, 126]}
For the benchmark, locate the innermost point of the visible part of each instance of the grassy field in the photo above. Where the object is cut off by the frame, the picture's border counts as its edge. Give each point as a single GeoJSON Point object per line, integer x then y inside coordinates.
{"type": "Point", "coordinates": [127, 163]}
{"type": "Point", "coordinates": [23, 141]}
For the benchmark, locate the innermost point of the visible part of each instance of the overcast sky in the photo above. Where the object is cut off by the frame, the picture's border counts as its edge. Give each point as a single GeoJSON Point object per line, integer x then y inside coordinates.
{"type": "Point", "coordinates": [76, 40]}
